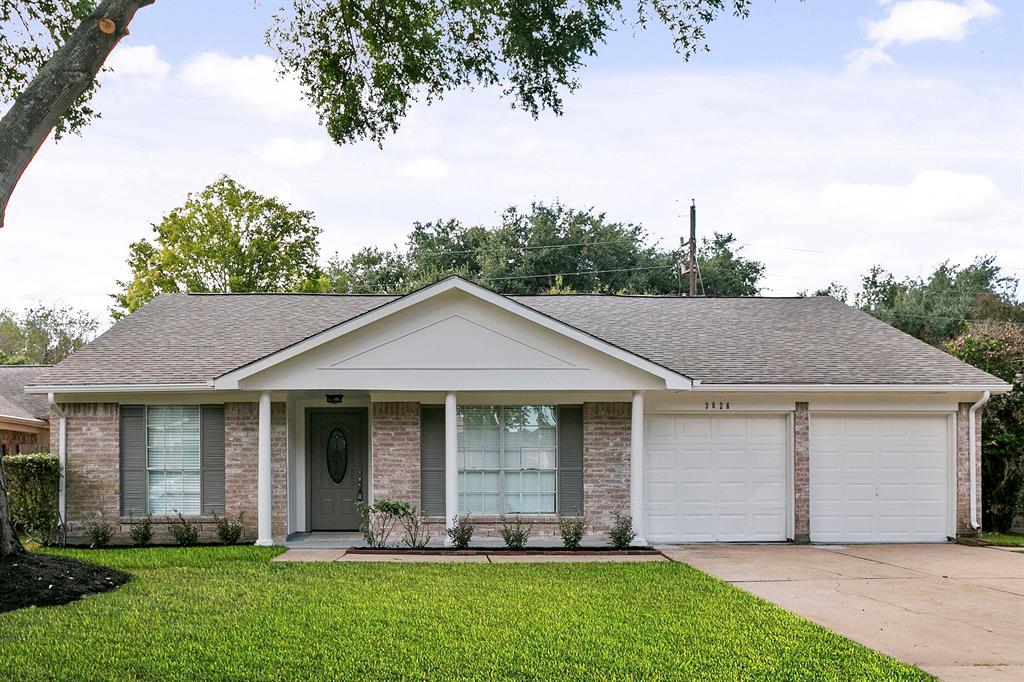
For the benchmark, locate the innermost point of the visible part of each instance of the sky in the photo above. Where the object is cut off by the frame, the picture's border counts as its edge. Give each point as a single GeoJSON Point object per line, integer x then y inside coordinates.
{"type": "Point", "coordinates": [826, 136]}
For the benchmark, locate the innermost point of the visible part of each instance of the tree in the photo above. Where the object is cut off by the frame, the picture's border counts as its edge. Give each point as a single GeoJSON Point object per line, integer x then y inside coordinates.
{"type": "Point", "coordinates": [43, 335]}
{"type": "Point", "coordinates": [361, 63]}
{"type": "Point", "coordinates": [225, 239]}
{"type": "Point", "coordinates": [998, 348]}
{"type": "Point", "coordinates": [550, 249]}
{"type": "Point", "coordinates": [934, 309]}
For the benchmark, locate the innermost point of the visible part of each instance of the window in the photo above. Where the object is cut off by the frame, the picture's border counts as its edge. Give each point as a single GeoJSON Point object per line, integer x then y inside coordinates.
{"type": "Point", "coordinates": [508, 459]}
{"type": "Point", "coordinates": [172, 459]}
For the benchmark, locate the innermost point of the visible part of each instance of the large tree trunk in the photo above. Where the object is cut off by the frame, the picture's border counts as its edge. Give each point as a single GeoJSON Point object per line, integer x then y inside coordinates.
{"type": "Point", "coordinates": [60, 81]}
{"type": "Point", "coordinates": [9, 542]}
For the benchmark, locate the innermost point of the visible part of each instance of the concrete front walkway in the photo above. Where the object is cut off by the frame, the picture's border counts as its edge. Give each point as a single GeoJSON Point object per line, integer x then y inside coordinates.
{"type": "Point", "coordinates": [313, 555]}
{"type": "Point", "coordinates": [956, 612]}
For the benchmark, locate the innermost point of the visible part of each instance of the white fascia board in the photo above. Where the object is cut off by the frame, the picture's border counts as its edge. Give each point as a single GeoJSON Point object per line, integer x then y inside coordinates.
{"type": "Point", "coordinates": [24, 421]}
{"type": "Point", "coordinates": [1001, 387]}
{"type": "Point", "coordinates": [673, 380]}
{"type": "Point", "coordinates": [121, 388]}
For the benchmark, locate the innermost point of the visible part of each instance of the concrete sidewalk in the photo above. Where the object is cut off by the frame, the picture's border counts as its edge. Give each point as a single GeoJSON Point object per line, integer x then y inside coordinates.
{"type": "Point", "coordinates": [956, 612]}
{"type": "Point", "coordinates": [315, 555]}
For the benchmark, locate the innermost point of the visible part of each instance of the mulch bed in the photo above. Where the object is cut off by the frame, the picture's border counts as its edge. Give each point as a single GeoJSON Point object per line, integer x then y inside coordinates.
{"type": "Point", "coordinates": [587, 551]}
{"type": "Point", "coordinates": [44, 580]}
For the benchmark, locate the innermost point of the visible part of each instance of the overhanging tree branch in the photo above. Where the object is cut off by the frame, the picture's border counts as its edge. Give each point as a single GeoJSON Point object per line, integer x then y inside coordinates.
{"type": "Point", "coordinates": [59, 83]}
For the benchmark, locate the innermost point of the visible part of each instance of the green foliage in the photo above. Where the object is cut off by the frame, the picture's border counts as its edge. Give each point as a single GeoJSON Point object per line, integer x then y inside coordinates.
{"type": "Point", "coordinates": [998, 348]}
{"type": "Point", "coordinates": [551, 249]}
{"type": "Point", "coordinates": [141, 532]}
{"type": "Point", "coordinates": [515, 533]}
{"type": "Point", "coordinates": [934, 309]}
{"type": "Point", "coordinates": [1004, 539]}
{"type": "Point", "coordinates": [230, 531]}
{"type": "Point", "coordinates": [380, 519]}
{"type": "Point", "coordinates": [184, 531]}
{"type": "Point", "coordinates": [572, 530]}
{"type": "Point", "coordinates": [43, 335]}
{"type": "Point", "coordinates": [226, 238]}
{"type": "Point", "coordinates": [416, 533]}
{"type": "Point", "coordinates": [594, 621]}
{"type": "Point", "coordinates": [363, 64]}
{"type": "Point", "coordinates": [622, 533]}
{"type": "Point", "coordinates": [461, 531]}
{"type": "Point", "coordinates": [99, 533]}
{"type": "Point", "coordinates": [33, 488]}
{"type": "Point", "coordinates": [30, 32]}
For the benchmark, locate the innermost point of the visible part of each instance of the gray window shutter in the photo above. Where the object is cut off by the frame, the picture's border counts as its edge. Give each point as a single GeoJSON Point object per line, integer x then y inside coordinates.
{"type": "Point", "coordinates": [211, 439]}
{"type": "Point", "coordinates": [432, 460]}
{"type": "Point", "coordinates": [570, 459]}
{"type": "Point", "coordinates": [133, 459]}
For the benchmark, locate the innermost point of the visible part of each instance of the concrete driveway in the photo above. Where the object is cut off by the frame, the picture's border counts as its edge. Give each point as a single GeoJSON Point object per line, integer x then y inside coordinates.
{"type": "Point", "coordinates": [956, 612]}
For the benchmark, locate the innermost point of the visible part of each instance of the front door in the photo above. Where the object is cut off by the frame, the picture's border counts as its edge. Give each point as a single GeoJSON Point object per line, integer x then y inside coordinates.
{"type": "Point", "coordinates": [337, 449]}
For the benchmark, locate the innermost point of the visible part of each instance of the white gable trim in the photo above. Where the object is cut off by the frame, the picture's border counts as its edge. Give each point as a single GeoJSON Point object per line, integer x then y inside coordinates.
{"type": "Point", "coordinates": [673, 380]}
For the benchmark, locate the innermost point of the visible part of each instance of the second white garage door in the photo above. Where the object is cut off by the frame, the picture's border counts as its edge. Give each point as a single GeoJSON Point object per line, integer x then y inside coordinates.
{"type": "Point", "coordinates": [715, 478]}
{"type": "Point", "coordinates": [879, 478]}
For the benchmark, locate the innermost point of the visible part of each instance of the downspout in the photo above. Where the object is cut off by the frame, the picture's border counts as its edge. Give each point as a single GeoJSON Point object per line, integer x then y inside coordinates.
{"type": "Point", "coordinates": [62, 451]}
{"type": "Point", "coordinates": [972, 448]}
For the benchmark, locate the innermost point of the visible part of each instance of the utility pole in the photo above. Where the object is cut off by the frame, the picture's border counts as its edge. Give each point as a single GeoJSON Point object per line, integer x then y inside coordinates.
{"type": "Point", "coordinates": [692, 270]}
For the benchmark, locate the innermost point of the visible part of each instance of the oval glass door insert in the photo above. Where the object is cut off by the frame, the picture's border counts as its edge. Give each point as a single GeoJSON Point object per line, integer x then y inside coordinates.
{"type": "Point", "coordinates": [337, 455]}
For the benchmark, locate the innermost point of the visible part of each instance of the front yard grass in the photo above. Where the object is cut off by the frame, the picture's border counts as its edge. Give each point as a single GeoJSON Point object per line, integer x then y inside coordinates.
{"type": "Point", "coordinates": [1004, 539]}
{"type": "Point", "coordinates": [210, 613]}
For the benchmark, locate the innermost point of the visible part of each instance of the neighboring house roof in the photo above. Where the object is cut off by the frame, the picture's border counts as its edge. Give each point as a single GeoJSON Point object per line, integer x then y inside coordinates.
{"type": "Point", "coordinates": [14, 402]}
{"type": "Point", "coordinates": [194, 338]}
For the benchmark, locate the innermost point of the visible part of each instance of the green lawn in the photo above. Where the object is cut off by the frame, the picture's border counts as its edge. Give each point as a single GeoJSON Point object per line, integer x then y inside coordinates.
{"type": "Point", "coordinates": [227, 613]}
{"type": "Point", "coordinates": [1004, 539]}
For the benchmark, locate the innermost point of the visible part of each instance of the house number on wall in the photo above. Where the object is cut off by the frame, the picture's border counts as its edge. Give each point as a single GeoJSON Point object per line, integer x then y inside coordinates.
{"type": "Point", "coordinates": [712, 405]}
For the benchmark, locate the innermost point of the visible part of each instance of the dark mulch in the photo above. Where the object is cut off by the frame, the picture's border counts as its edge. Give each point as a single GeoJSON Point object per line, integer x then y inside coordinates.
{"type": "Point", "coordinates": [44, 580]}
{"type": "Point", "coordinates": [583, 551]}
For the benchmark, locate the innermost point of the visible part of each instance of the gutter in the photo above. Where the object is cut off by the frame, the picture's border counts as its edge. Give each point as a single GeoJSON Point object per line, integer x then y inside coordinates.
{"type": "Point", "coordinates": [972, 448]}
{"type": "Point", "coordinates": [119, 388]}
{"type": "Point", "coordinates": [994, 388]}
{"type": "Point", "coordinates": [62, 451]}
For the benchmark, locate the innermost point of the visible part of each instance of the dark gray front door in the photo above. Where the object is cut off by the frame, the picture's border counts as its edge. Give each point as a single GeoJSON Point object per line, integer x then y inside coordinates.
{"type": "Point", "coordinates": [337, 450]}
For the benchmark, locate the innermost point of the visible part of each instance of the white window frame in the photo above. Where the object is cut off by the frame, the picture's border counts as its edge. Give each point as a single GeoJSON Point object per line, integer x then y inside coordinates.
{"type": "Point", "coordinates": [502, 469]}
{"type": "Point", "coordinates": [198, 470]}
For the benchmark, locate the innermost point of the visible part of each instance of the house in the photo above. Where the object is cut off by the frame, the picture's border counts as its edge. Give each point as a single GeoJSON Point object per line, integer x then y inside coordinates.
{"type": "Point", "coordinates": [705, 419]}
{"type": "Point", "coordinates": [24, 418]}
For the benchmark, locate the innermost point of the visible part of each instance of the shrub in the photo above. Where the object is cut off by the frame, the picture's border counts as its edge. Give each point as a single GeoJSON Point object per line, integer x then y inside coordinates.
{"type": "Point", "coordinates": [461, 531]}
{"type": "Point", "coordinates": [229, 531]}
{"type": "Point", "coordinates": [99, 533]}
{"type": "Point", "coordinates": [622, 533]}
{"type": "Point", "coordinates": [184, 532]}
{"type": "Point", "coordinates": [416, 534]}
{"type": "Point", "coordinates": [33, 487]}
{"type": "Point", "coordinates": [516, 533]}
{"type": "Point", "coordinates": [380, 518]}
{"type": "Point", "coordinates": [141, 533]}
{"type": "Point", "coordinates": [572, 530]}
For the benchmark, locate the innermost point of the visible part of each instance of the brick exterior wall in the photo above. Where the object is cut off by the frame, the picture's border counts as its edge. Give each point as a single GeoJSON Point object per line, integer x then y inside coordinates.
{"type": "Point", "coordinates": [396, 451]}
{"type": "Point", "coordinates": [801, 475]}
{"type": "Point", "coordinates": [10, 440]}
{"type": "Point", "coordinates": [241, 465]}
{"type": "Point", "coordinates": [963, 469]}
{"type": "Point", "coordinates": [92, 486]}
{"type": "Point", "coordinates": [606, 446]}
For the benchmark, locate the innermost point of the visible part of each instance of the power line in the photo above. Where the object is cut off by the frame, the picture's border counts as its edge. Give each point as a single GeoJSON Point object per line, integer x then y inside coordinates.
{"type": "Point", "coordinates": [519, 248]}
{"type": "Point", "coordinates": [578, 272]}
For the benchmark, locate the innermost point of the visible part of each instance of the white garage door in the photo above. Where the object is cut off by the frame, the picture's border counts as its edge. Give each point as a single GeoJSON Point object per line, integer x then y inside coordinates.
{"type": "Point", "coordinates": [879, 478]}
{"type": "Point", "coordinates": [715, 478]}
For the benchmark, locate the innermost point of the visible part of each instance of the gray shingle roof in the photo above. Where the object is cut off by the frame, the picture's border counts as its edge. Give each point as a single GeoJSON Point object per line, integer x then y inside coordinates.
{"type": "Point", "coordinates": [189, 338]}
{"type": "Point", "coordinates": [14, 402]}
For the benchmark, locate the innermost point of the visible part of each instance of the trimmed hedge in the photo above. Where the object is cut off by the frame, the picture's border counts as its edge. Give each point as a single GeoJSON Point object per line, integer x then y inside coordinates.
{"type": "Point", "coordinates": [33, 486]}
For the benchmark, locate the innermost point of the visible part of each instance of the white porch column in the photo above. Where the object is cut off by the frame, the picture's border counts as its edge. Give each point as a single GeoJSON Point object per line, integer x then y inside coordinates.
{"type": "Point", "coordinates": [263, 488]}
{"type": "Point", "coordinates": [636, 468]}
{"type": "Point", "coordinates": [451, 461]}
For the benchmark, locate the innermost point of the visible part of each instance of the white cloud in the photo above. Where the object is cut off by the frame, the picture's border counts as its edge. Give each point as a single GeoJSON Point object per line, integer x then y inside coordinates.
{"type": "Point", "coordinates": [292, 152]}
{"type": "Point", "coordinates": [932, 196]}
{"type": "Point", "coordinates": [251, 82]}
{"type": "Point", "coordinates": [424, 169]}
{"type": "Point", "coordinates": [138, 62]}
{"type": "Point", "coordinates": [920, 20]}
{"type": "Point", "coordinates": [915, 21]}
